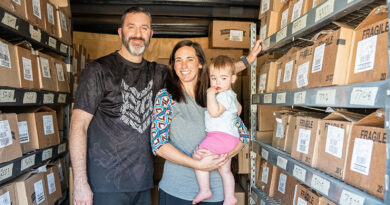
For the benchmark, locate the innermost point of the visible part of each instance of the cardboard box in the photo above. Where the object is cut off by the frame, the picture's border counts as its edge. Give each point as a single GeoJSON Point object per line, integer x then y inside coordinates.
{"type": "Point", "coordinates": [306, 196]}
{"type": "Point", "coordinates": [75, 62]}
{"type": "Point", "coordinates": [271, 5]}
{"type": "Point", "coordinates": [51, 19]}
{"type": "Point", "coordinates": [239, 193]}
{"type": "Point", "coordinates": [284, 130]}
{"type": "Point", "coordinates": [46, 72]}
{"type": "Point", "coordinates": [268, 24]}
{"type": "Point", "coordinates": [63, 25]}
{"type": "Point", "coordinates": [365, 162]}
{"type": "Point", "coordinates": [285, 187]}
{"type": "Point", "coordinates": [285, 71]}
{"type": "Point", "coordinates": [28, 70]}
{"type": "Point", "coordinates": [265, 117]}
{"type": "Point", "coordinates": [36, 14]}
{"type": "Point", "coordinates": [335, 48]}
{"type": "Point", "coordinates": [298, 8]}
{"type": "Point", "coordinates": [8, 195]}
{"type": "Point", "coordinates": [302, 67]}
{"type": "Point", "coordinates": [9, 145]}
{"type": "Point", "coordinates": [15, 7]}
{"type": "Point", "coordinates": [284, 17]}
{"type": "Point", "coordinates": [63, 173]}
{"type": "Point", "coordinates": [266, 180]}
{"type": "Point", "coordinates": [267, 77]}
{"type": "Point", "coordinates": [53, 184]}
{"type": "Point", "coordinates": [237, 88]}
{"type": "Point", "coordinates": [31, 189]}
{"type": "Point", "coordinates": [9, 71]}
{"type": "Point", "coordinates": [230, 34]}
{"type": "Point", "coordinates": [264, 136]}
{"type": "Point", "coordinates": [234, 54]}
{"type": "Point", "coordinates": [324, 201]}
{"type": "Point", "coordinates": [306, 137]}
{"type": "Point", "coordinates": [42, 129]}
{"type": "Point", "coordinates": [334, 142]}
{"type": "Point", "coordinates": [62, 76]}
{"type": "Point", "coordinates": [317, 2]}
{"type": "Point", "coordinates": [369, 60]}
{"type": "Point", "coordinates": [65, 4]}
{"type": "Point", "coordinates": [243, 161]}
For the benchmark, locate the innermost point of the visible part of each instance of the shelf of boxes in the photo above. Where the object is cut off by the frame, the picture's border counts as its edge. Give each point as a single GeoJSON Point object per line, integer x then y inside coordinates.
{"type": "Point", "coordinates": [24, 97]}
{"type": "Point", "coordinates": [259, 196]}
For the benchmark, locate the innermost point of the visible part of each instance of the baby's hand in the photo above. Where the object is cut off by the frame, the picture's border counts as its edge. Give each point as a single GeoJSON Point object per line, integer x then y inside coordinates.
{"type": "Point", "coordinates": [212, 90]}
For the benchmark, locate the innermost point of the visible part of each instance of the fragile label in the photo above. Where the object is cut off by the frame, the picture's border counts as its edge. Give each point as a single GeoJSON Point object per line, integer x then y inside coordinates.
{"type": "Point", "coordinates": [326, 97]}
{"type": "Point", "coordinates": [35, 34]}
{"type": "Point", "coordinates": [318, 58]}
{"type": "Point", "coordinates": [48, 98]}
{"type": "Point", "coordinates": [64, 48]}
{"type": "Point", "coordinates": [279, 77]}
{"type": "Point", "coordinates": [283, 21]}
{"type": "Point", "coordinates": [263, 32]}
{"type": "Point", "coordinates": [324, 10]}
{"type": "Point", "coordinates": [9, 20]}
{"type": "Point", "coordinates": [264, 174]}
{"type": "Point", "coordinates": [264, 154]}
{"type": "Point", "coordinates": [265, 6]}
{"type": "Point", "coordinates": [27, 69]}
{"type": "Point", "coordinates": [27, 162]}
{"type": "Point", "coordinates": [51, 183]}
{"type": "Point", "coordinates": [45, 67]}
{"type": "Point", "coordinates": [363, 96]}
{"type": "Point", "coordinates": [262, 81]}
{"type": "Point", "coordinates": [52, 42]}
{"type": "Point", "coordinates": [281, 98]}
{"type": "Point", "coordinates": [288, 68]}
{"type": "Point", "coordinates": [39, 193]}
{"type": "Point", "coordinates": [299, 24]}
{"type": "Point", "coordinates": [281, 34]}
{"type": "Point", "coordinates": [267, 98]}
{"type": "Point", "coordinates": [301, 201]}
{"type": "Point", "coordinates": [302, 75]}
{"type": "Point", "coordinates": [303, 141]}
{"type": "Point", "coordinates": [62, 98]}
{"type": "Point", "coordinates": [5, 59]}
{"type": "Point", "coordinates": [5, 199]}
{"type": "Point", "coordinates": [36, 5]}
{"type": "Point", "coordinates": [281, 162]}
{"type": "Point", "coordinates": [335, 141]}
{"type": "Point", "coordinates": [365, 54]}
{"type": "Point", "coordinates": [48, 125]}
{"type": "Point", "coordinates": [47, 154]}
{"type": "Point", "coordinates": [7, 96]}
{"type": "Point", "coordinates": [23, 132]}
{"type": "Point", "coordinates": [299, 173]}
{"type": "Point", "coordinates": [348, 198]}
{"type": "Point", "coordinates": [64, 26]}
{"type": "Point", "coordinates": [50, 13]}
{"type": "Point", "coordinates": [6, 172]}
{"type": "Point", "coordinates": [60, 72]}
{"type": "Point", "coordinates": [236, 35]}
{"type": "Point", "coordinates": [297, 10]}
{"type": "Point", "coordinates": [61, 148]}
{"type": "Point", "coordinates": [361, 156]}
{"type": "Point", "coordinates": [5, 134]}
{"type": "Point", "coordinates": [300, 97]}
{"type": "Point", "coordinates": [282, 183]}
{"type": "Point", "coordinates": [279, 128]}
{"type": "Point", "coordinates": [320, 184]}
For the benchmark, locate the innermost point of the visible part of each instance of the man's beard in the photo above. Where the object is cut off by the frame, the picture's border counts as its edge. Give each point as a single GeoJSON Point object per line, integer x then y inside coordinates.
{"type": "Point", "coordinates": [133, 50]}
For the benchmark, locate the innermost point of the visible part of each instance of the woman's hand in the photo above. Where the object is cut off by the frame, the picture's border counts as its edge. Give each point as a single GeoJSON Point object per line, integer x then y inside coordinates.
{"type": "Point", "coordinates": [255, 51]}
{"type": "Point", "coordinates": [201, 153]}
{"type": "Point", "coordinates": [211, 162]}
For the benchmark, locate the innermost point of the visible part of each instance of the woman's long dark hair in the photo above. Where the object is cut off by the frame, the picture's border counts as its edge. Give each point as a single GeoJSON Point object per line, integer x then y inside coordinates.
{"type": "Point", "coordinates": [174, 85]}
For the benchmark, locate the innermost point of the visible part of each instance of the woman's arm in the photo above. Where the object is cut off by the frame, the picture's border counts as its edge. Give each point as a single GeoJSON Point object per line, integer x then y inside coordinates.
{"type": "Point", "coordinates": [240, 66]}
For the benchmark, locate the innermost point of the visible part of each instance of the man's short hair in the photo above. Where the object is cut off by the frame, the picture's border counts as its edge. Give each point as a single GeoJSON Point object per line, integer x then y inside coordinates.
{"type": "Point", "coordinates": [135, 10]}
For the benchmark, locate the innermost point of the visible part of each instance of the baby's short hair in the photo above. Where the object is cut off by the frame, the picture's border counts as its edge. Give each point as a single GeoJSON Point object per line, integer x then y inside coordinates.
{"type": "Point", "coordinates": [221, 62]}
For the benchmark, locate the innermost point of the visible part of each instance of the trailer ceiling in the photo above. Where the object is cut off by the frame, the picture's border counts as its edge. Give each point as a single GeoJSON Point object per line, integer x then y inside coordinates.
{"type": "Point", "coordinates": [171, 18]}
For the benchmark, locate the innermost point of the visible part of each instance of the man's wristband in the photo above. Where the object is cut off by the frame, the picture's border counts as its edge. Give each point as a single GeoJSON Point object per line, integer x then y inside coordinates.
{"type": "Point", "coordinates": [245, 61]}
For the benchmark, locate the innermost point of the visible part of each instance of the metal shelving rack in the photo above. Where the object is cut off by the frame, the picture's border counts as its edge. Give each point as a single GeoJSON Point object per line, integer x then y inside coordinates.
{"type": "Point", "coordinates": [363, 95]}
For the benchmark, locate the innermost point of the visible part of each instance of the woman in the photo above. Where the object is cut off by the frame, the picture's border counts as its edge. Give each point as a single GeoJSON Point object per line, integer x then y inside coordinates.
{"type": "Point", "coordinates": [178, 127]}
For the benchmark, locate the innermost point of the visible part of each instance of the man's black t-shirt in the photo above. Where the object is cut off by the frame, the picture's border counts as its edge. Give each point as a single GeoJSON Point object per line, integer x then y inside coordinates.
{"type": "Point", "coordinates": [120, 95]}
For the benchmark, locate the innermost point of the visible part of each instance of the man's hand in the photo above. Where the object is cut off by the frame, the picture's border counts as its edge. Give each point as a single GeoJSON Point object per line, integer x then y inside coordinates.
{"type": "Point", "coordinates": [82, 192]}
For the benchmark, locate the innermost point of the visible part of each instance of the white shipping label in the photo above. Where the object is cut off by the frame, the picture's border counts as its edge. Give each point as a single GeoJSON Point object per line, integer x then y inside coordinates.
{"type": "Point", "coordinates": [45, 67]}
{"type": "Point", "coordinates": [61, 148]}
{"type": "Point", "coordinates": [48, 125]}
{"type": "Point", "coordinates": [47, 154]}
{"type": "Point", "coordinates": [324, 10]}
{"type": "Point", "coordinates": [63, 48]}
{"type": "Point", "coordinates": [48, 98]}
{"type": "Point", "coordinates": [267, 98]}
{"type": "Point", "coordinates": [299, 173]}
{"type": "Point", "coordinates": [265, 4]}
{"type": "Point", "coordinates": [5, 134]}
{"type": "Point", "coordinates": [363, 96]}
{"type": "Point", "coordinates": [27, 162]}
{"type": "Point", "coordinates": [301, 201]}
{"type": "Point", "coordinates": [29, 97]}
{"type": "Point", "coordinates": [326, 97]}
{"type": "Point", "coordinates": [365, 54]}
{"type": "Point", "coordinates": [264, 174]}
{"type": "Point", "coordinates": [27, 69]}
{"type": "Point", "coordinates": [279, 77]}
{"type": "Point", "coordinates": [335, 141]}
{"type": "Point", "coordinates": [5, 199]}
{"type": "Point", "coordinates": [52, 42]}
{"type": "Point", "coordinates": [17, 1]}
{"type": "Point", "coordinates": [288, 68]}
{"type": "Point", "coordinates": [7, 96]}
{"type": "Point", "coordinates": [284, 19]}
{"type": "Point", "coordinates": [35, 34]}
{"type": "Point", "coordinates": [60, 72]}
{"type": "Point", "coordinates": [302, 75]}
{"type": "Point", "coordinates": [264, 154]}
{"type": "Point", "coordinates": [262, 82]}
{"type": "Point", "coordinates": [281, 162]}
{"type": "Point", "coordinates": [5, 59]}
{"type": "Point", "coordinates": [263, 32]}
{"type": "Point", "coordinates": [281, 34]}
{"type": "Point", "coordinates": [236, 35]}
{"type": "Point", "coordinates": [299, 24]}
{"type": "Point", "coordinates": [23, 132]}
{"type": "Point", "coordinates": [300, 98]}
{"type": "Point", "coordinates": [348, 198]}
{"type": "Point", "coordinates": [51, 183]}
{"type": "Point", "coordinates": [36, 5]}
{"type": "Point", "coordinates": [6, 171]}
{"type": "Point", "coordinates": [281, 98]}
{"type": "Point", "coordinates": [64, 25]}
{"type": "Point", "coordinates": [303, 141]}
{"type": "Point", "coordinates": [60, 172]}
{"type": "Point", "coordinates": [297, 10]}
{"type": "Point", "coordinates": [62, 98]}
{"type": "Point", "coordinates": [320, 184]}
{"type": "Point", "coordinates": [9, 20]}
{"type": "Point", "coordinates": [318, 58]}
{"type": "Point", "coordinates": [282, 183]}
{"type": "Point", "coordinates": [82, 62]}
{"type": "Point", "coordinates": [361, 156]}
{"type": "Point", "coordinates": [39, 193]}
{"type": "Point", "coordinates": [50, 13]}
{"type": "Point", "coordinates": [279, 128]}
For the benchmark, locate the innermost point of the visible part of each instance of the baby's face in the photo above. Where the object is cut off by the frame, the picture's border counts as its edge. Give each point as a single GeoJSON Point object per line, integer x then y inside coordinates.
{"type": "Point", "coordinates": [221, 79]}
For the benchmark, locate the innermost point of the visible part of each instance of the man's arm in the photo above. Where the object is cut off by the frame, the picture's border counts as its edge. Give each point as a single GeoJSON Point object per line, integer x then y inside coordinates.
{"type": "Point", "coordinates": [78, 154]}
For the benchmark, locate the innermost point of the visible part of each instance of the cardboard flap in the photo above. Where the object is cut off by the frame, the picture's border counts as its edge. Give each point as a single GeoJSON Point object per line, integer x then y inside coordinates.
{"type": "Point", "coordinates": [43, 109]}
{"type": "Point", "coordinates": [25, 176]}
{"type": "Point", "coordinates": [344, 116]}
{"type": "Point", "coordinates": [375, 119]}
{"type": "Point", "coordinates": [342, 25]}
{"type": "Point", "coordinates": [377, 14]}
{"type": "Point", "coordinates": [321, 33]}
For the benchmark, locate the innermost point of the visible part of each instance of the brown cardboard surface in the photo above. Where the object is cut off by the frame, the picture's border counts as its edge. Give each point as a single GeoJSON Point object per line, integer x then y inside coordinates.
{"type": "Point", "coordinates": [324, 201]}
{"type": "Point", "coordinates": [302, 67]}
{"type": "Point", "coordinates": [164, 61]}
{"type": "Point", "coordinates": [62, 76]}
{"type": "Point", "coordinates": [25, 77]}
{"type": "Point", "coordinates": [283, 82]}
{"type": "Point", "coordinates": [56, 192]}
{"type": "Point", "coordinates": [265, 117]}
{"type": "Point", "coordinates": [47, 80]}
{"type": "Point", "coordinates": [317, 2]}
{"type": "Point", "coordinates": [17, 9]}
{"type": "Point", "coordinates": [63, 25]}
{"type": "Point", "coordinates": [306, 194]}
{"type": "Point", "coordinates": [365, 131]}
{"type": "Point", "coordinates": [38, 21]}
{"type": "Point", "coordinates": [8, 190]}
{"type": "Point", "coordinates": [335, 60]}
{"type": "Point", "coordinates": [62, 3]}
{"type": "Point", "coordinates": [243, 161]}
{"type": "Point", "coordinates": [51, 26]}
{"type": "Point", "coordinates": [285, 122]}
{"type": "Point", "coordinates": [285, 10]}
{"type": "Point", "coordinates": [75, 61]}
{"type": "Point", "coordinates": [212, 53]}
{"type": "Point", "coordinates": [334, 161]}
{"type": "Point", "coordinates": [33, 141]}
{"type": "Point", "coordinates": [274, 5]}
{"type": "Point", "coordinates": [10, 150]}
{"type": "Point", "coordinates": [264, 136]}
{"type": "Point", "coordinates": [25, 188]}
{"type": "Point", "coordinates": [269, 24]}
{"type": "Point", "coordinates": [375, 25]}
{"type": "Point", "coordinates": [223, 34]}
{"type": "Point", "coordinates": [239, 193]}
{"type": "Point", "coordinates": [266, 180]}
{"type": "Point", "coordinates": [305, 6]}
{"type": "Point", "coordinates": [285, 187]}
{"type": "Point", "coordinates": [9, 72]}
{"type": "Point", "coordinates": [267, 78]}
